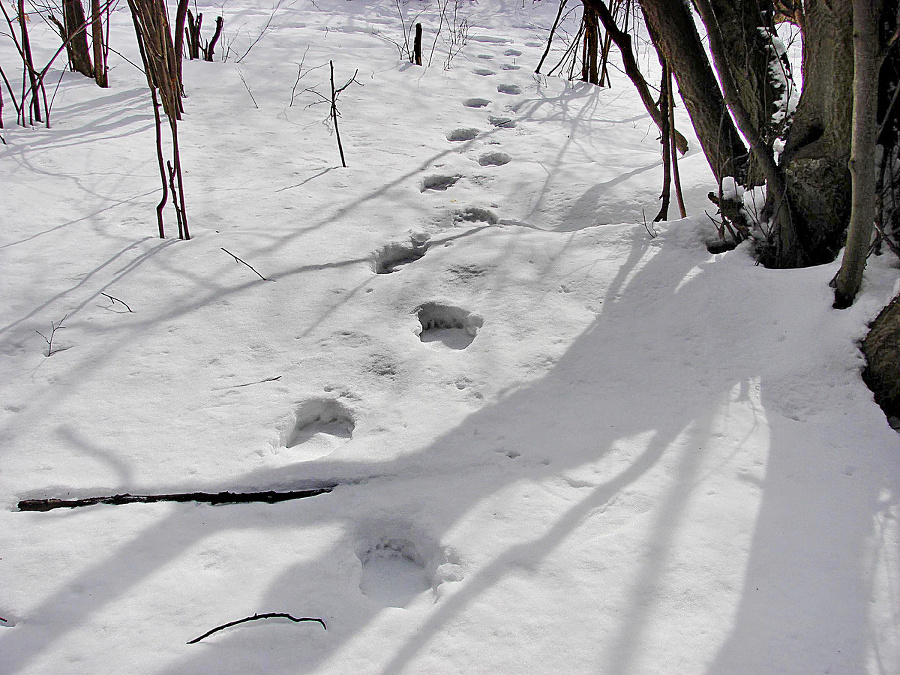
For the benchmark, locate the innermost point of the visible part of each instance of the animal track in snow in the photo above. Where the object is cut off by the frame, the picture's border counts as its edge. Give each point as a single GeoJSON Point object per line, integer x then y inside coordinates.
{"type": "Point", "coordinates": [509, 89]}
{"type": "Point", "coordinates": [510, 66]}
{"type": "Point", "coordinates": [494, 159]}
{"type": "Point", "coordinates": [319, 421]}
{"type": "Point", "coordinates": [398, 565]}
{"type": "Point", "coordinates": [502, 122]}
{"type": "Point", "coordinates": [463, 134]}
{"type": "Point", "coordinates": [476, 214]}
{"type": "Point", "coordinates": [439, 182]}
{"type": "Point", "coordinates": [455, 327]}
{"type": "Point", "coordinates": [392, 257]}
{"type": "Point", "coordinates": [512, 52]}
{"type": "Point", "coordinates": [484, 72]}
{"type": "Point", "coordinates": [476, 102]}
{"type": "Point", "coordinates": [486, 57]}
{"type": "Point", "coordinates": [393, 573]}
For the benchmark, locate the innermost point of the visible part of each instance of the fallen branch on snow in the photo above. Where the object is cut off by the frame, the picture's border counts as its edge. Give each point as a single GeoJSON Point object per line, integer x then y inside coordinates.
{"type": "Point", "coordinates": [255, 617]}
{"type": "Point", "coordinates": [267, 496]}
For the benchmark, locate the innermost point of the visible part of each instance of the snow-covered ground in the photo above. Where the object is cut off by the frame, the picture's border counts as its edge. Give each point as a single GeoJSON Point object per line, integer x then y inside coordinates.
{"type": "Point", "coordinates": [560, 444]}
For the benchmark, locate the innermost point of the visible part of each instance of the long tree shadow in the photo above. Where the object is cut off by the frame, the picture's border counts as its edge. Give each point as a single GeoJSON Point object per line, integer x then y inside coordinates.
{"type": "Point", "coordinates": [605, 390]}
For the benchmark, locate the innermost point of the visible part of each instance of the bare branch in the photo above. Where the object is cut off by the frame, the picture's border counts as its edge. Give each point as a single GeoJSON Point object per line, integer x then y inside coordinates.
{"type": "Point", "coordinates": [255, 617]}
{"type": "Point", "coordinates": [115, 300]}
{"type": "Point", "coordinates": [247, 264]}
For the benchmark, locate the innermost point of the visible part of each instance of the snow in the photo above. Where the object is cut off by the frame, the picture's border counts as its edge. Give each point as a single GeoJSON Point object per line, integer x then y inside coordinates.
{"type": "Point", "coordinates": [559, 443]}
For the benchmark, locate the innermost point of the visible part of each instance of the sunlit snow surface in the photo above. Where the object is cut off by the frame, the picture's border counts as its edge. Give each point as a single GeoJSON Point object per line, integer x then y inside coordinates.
{"type": "Point", "coordinates": [598, 451]}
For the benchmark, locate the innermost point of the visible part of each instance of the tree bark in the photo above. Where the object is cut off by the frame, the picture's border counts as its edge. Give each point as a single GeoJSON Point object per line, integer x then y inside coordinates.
{"type": "Point", "coordinates": [75, 24]}
{"type": "Point", "coordinates": [882, 350]}
{"type": "Point", "coordinates": [666, 143]}
{"type": "Point", "coordinates": [97, 39]}
{"type": "Point", "coordinates": [180, 16]}
{"type": "Point", "coordinates": [817, 150]}
{"type": "Point", "coordinates": [862, 165]}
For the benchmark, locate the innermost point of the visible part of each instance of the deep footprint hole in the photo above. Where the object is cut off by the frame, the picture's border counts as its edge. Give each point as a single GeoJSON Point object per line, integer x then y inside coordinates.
{"type": "Point", "coordinates": [509, 89]}
{"type": "Point", "coordinates": [494, 159]}
{"type": "Point", "coordinates": [393, 573]}
{"type": "Point", "coordinates": [453, 327]}
{"type": "Point", "coordinates": [502, 122]}
{"type": "Point", "coordinates": [476, 102]}
{"type": "Point", "coordinates": [465, 134]}
{"type": "Point", "coordinates": [484, 72]}
{"type": "Point", "coordinates": [439, 182]}
{"type": "Point", "coordinates": [390, 258]}
{"type": "Point", "coordinates": [323, 418]}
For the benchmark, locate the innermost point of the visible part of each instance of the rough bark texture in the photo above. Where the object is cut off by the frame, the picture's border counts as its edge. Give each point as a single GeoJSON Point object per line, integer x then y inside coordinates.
{"type": "Point", "coordinates": [748, 27]}
{"type": "Point", "coordinates": [76, 32]}
{"type": "Point", "coordinates": [817, 151]}
{"type": "Point", "coordinates": [672, 28]}
{"type": "Point", "coordinates": [882, 350]}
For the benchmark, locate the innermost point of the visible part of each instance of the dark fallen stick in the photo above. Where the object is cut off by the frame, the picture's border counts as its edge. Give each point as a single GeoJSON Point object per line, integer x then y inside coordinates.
{"type": "Point", "coordinates": [247, 264]}
{"type": "Point", "coordinates": [247, 384]}
{"type": "Point", "coordinates": [115, 300]}
{"type": "Point", "coordinates": [255, 617]}
{"type": "Point", "coordinates": [267, 496]}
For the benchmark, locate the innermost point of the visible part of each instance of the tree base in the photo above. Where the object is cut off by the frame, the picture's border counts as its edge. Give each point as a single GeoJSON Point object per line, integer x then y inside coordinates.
{"type": "Point", "coordinates": [882, 350]}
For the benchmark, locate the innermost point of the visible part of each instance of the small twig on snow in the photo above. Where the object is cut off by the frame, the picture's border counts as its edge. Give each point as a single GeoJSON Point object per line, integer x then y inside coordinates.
{"type": "Point", "coordinates": [268, 379]}
{"type": "Point", "coordinates": [115, 300]}
{"type": "Point", "coordinates": [54, 327]}
{"type": "Point", "coordinates": [247, 87]}
{"type": "Point", "coordinates": [652, 232]}
{"type": "Point", "coordinates": [247, 264]}
{"type": "Point", "coordinates": [255, 617]}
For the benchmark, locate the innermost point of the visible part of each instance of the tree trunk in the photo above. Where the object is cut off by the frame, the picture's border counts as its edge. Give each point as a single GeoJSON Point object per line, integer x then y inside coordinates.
{"type": "Point", "coordinates": [882, 350]}
{"type": "Point", "coordinates": [75, 24]}
{"type": "Point", "coordinates": [180, 16]}
{"type": "Point", "coordinates": [862, 166]}
{"type": "Point", "coordinates": [99, 50]}
{"type": "Point", "coordinates": [35, 106]}
{"type": "Point", "coordinates": [589, 64]}
{"type": "Point", "coordinates": [817, 151]}
{"type": "Point", "coordinates": [672, 28]}
{"type": "Point", "coordinates": [666, 143]}
{"type": "Point", "coordinates": [752, 61]}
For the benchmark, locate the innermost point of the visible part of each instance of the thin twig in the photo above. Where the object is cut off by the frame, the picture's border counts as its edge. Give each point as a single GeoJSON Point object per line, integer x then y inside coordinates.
{"type": "Point", "coordinates": [247, 87]}
{"type": "Point", "coordinates": [652, 232]}
{"type": "Point", "coordinates": [54, 327]}
{"type": "Point", "coordinates": [115, 299]}
{"type": "Point", "coordinates": [262, 32]}
{"type": "Point", "coordinates": [249, 384]}
{"type": "Point", "coordinates": [255, 617]}
{"type": "Point", "coordinates": [247, 264]}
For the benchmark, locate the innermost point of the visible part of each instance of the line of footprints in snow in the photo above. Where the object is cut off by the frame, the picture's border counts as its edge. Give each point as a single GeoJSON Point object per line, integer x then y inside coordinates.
{"type": "Point", "coordinates": [397, 567]}
{"type": "Point", "coordinates": [454, 327]}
